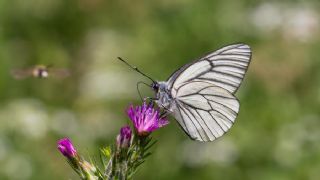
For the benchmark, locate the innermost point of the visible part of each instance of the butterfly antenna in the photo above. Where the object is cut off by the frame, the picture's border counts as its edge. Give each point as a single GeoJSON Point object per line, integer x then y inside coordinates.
{"type": "Point", "coordinates": [136, 69]}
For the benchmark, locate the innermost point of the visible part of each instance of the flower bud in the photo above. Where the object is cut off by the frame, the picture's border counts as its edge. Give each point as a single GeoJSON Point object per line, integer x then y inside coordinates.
{"type": "Point", "coordinates": [66, 148]}
{"type": "Point", "coordinates": [123, 139]}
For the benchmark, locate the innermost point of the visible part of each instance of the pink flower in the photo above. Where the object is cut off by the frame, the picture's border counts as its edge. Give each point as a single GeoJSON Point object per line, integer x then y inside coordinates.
{"type": "Point", "coordinates": [66, 148]}
{"type": "Point", "coordinates": [146, 119]}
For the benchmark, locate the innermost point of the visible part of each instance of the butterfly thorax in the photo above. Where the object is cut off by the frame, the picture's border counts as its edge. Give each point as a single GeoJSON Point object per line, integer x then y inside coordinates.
{"type": "Point", "coordinates": [163, 96]}
{"type": "Point", "coordinates": [40, 72]}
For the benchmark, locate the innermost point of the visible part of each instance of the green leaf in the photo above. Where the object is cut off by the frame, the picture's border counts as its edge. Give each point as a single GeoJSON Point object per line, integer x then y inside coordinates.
{"type": "Point", "coordinates": [150, 145]}
{"type": "Point", "coordinates": [106, 151]}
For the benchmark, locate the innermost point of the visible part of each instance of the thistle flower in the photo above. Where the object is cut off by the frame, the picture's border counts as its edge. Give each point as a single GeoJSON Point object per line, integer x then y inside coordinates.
{"type": "Point", "coordinates": [130, 151]}
{"type": "Point", "coordinates": [66, 148]}
{"type": "Point", "coordinates": [146, 119]}
{"type": "Point", "coordinates": [123, 139]}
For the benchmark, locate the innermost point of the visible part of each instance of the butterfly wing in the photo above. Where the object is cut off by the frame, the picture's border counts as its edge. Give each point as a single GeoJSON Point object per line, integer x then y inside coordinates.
{"type": "Point", "coordinates": [21, 73]}
{"type": "Point", "coordinates": [205, 111]}
{"type": "Point", "coordinates": [225, 68]}
{"type": "Point", "coordinates": [59, 72]}
{"type": "Point", "coordinates": [203, 92]}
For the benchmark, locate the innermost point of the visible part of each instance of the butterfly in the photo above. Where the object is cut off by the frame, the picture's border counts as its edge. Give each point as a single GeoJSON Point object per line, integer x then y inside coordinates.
{"type": "Point", "coordinates": [201, 94]}
{"type": "Point", "coordinates": [40, 71]}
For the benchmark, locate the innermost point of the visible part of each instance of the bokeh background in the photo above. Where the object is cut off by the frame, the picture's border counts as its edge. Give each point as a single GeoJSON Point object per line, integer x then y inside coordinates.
{"type": "Point", "coordinates": [277, 133]}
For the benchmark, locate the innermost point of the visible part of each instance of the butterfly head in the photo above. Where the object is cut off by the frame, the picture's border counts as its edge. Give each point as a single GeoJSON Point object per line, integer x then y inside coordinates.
{"type": "Point", "coordinates": [159, 86]}
{"type": "Point", "coordinates": [155, 86]}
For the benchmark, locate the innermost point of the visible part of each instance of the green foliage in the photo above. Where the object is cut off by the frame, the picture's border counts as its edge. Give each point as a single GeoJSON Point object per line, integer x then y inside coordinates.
{"type": "Point", "coordinates": [119, 163]}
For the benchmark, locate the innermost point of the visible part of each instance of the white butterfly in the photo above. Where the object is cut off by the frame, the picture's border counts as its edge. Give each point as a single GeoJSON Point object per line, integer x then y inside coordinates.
{"type": "Point", "coordinates": [200, 95]}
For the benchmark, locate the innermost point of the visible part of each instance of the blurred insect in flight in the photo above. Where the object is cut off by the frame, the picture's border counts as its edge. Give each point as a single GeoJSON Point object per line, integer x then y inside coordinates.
{"type": "Point", "coordinates": [40, 71]}
{"type": "Point", "coordinates": [201, 94]}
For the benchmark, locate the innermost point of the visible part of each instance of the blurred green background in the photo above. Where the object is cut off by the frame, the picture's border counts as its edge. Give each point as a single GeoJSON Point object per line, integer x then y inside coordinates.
{"type": "Point", "coordinates": [277, 133]}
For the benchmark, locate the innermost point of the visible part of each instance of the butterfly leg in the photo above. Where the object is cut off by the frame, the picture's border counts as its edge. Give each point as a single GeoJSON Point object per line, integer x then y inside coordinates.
{"type": "Point", "coordinates": [151, 100]}
{"type": "Point", "coordinates": [138, 89]}
{"type": "Point", "coordinates": [138, 83]}
{"type": "Point", "coordinates": [165, 113]}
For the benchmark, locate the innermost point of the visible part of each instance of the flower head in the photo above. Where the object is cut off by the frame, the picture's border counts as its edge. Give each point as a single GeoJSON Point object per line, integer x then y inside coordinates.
{"type": "Point", "coordinates": [146, 119]}
{"type": "Point", "coordinates": [123, 139]}
{"type": "Point", "coordinates": [66, 148]}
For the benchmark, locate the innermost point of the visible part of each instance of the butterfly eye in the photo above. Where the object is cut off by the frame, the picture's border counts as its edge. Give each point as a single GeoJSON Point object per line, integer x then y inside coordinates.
{"type": "Point", "coordinates": [155, 86]}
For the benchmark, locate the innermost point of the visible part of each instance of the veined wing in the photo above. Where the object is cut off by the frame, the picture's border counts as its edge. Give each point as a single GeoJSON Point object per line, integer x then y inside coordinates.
{"type": "Point", "coordinates": [225, 68]}
{"type": "Point", "coordinates": [205, 111]}
{"type": "Point", "coordinates": [59, 72]}
{"type": "Point", "coordinates": [21, 73]}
